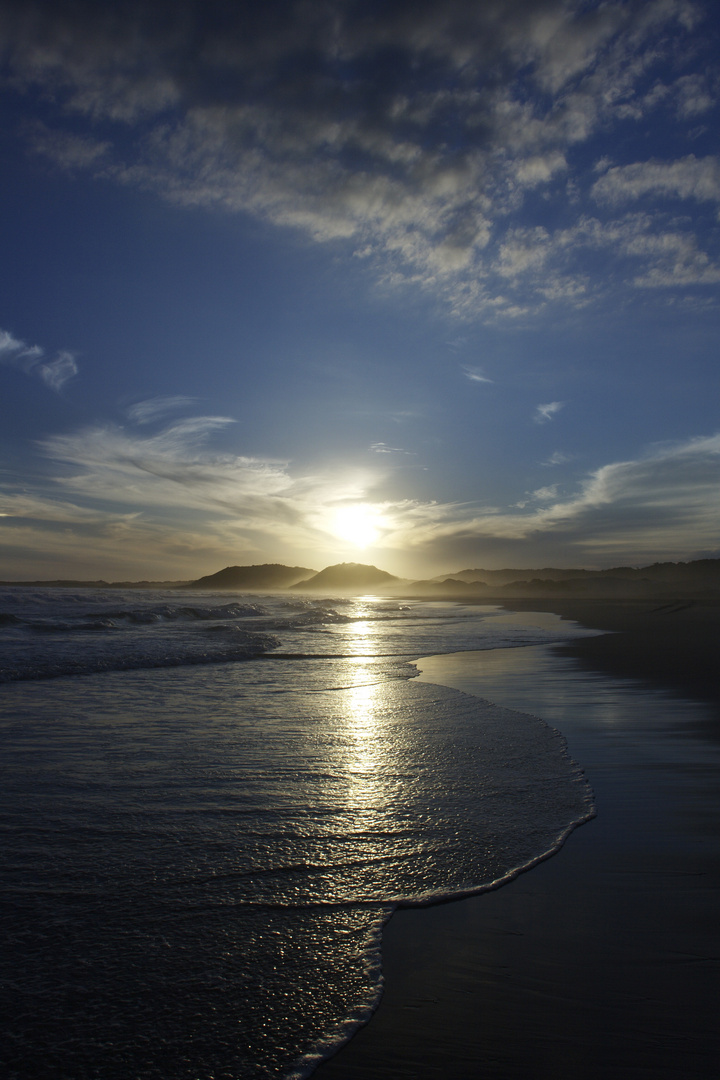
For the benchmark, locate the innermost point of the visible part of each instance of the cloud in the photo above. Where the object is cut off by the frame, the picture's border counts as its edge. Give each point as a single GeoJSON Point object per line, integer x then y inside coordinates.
{"type": "Point", "coordinates": [431, 168]}
{"type": "Point", "coordinates": [674, 261]}
{"type": "Point", "coordinates": [144, 412]}
{"type": "Point", "coordinates": [646, 250]}
{"type": "Point", "coordinates": [544, 494]}
{"type": "Point", "coordinates": [175, 475]}
{"type": "Point", "coordinates": [129, 498]}
{"type": "Point", "coordinates": [686, 178]}
{"type": "Point", "coordinates": [475, 374]}
{"type": "Point", "coordinates": [57, 372]}
{"type": "Point", "coordinates": [161, 502]}
{"type": "Point", "coordinates": [29, 359]}
{"type": "Point", "coordinates": [523, 250]}
{"type": "Point", "coordinates": [694, 95]}
{"type": "Point", "coordinates": [383, 448]}
{"type": "Point", "coordinates": [402, 416]}
{"type": "Point", "coordinates": [667, 257]}
{"type": "Point", "coordinates": [69, 151]}
{"type": "Point", "coordinates": [557, 458]}
{"type": "Point", "coordinates": [17, 353]}
{"type": "Point", "coordinates": [40, 508]}
{"type": "Point", "coordinates": [662, 506]}
{"type": "Point", "coordinates": [543, 413]}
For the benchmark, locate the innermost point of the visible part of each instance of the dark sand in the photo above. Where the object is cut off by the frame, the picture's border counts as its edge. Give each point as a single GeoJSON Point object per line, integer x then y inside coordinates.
{"type": "Point", "coordinates": [603, 961]}
{"type": "Point", "coordinates": [675, 645]}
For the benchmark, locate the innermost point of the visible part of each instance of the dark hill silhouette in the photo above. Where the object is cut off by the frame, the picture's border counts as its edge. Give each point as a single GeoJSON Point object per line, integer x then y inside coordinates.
{"type": "Point", "coordinates": [100, 583]}
{"type": "Point", "coordinates": [700, 578]}
{"type": "Point", "coordinates": [349, 576]}
{"type": "Point", "coordinates": [250, 578]}
{"type": "Point", "coordinates": [505, 577]}
{"type": "Point", "coordinates": [704, 571]}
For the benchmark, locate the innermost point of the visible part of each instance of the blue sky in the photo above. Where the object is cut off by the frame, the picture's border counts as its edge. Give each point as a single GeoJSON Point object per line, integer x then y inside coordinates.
{"type": "Point", "coordinates": [427, 285]}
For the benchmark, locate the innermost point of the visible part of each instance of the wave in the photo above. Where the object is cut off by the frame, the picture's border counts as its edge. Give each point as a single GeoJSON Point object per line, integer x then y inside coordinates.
{"type": "Point", "coordinates": [120, 618]}
{"type": "Point", "coordinates": [241, 645]}
{"type": "Point", "coordinates": [49, 634]}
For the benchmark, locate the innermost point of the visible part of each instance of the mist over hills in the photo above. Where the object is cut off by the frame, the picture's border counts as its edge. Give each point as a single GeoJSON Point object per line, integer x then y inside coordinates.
{"type": "Point", "coordinates": [699, 578]}
{"type": "Point", "coordinates": [505, 577]}
{"type": "Point", "coordinates": [271, 576]}
{"type": "Point", "coordinates": [696, 579]}
{"type": "Point", "coordinates": [350, 576]}
{"type": "Point", "coordinates": [699, 569]}
{"type": "Point", "coordinates": [265, 576]}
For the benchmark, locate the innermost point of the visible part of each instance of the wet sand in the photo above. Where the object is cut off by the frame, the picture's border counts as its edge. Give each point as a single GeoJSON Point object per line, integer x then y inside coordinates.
{"type": "Point", "coordinates": [603, 961]}
{"type": "Point", "coordinates": [674, 645]}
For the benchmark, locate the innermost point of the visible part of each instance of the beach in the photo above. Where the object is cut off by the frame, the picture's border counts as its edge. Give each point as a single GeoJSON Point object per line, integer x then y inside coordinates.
{"type": "Point", "coordinates": [604, 960]}
{"type": "Point", "coordinates": [673, 644]}
{"type": "Point", "coordinates": [222, 818]}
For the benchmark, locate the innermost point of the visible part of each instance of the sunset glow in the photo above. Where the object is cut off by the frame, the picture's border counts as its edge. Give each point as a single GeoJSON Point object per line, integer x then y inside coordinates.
{"type": "Point", "coordinates": [466, 255]}
{"type": "Point", "coordinates": [361, 525]}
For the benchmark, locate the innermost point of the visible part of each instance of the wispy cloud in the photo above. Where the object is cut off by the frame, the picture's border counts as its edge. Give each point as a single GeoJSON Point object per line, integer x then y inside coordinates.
{"type": "Point", "coordinates": [144, 412]}
{"type": "Point", "coordinates": [70, 151]}
{"type": "Point", "coordinates": [13, 350]}
{"type": "Point", "coordinates": [29, 359]}
{"type": "Point", "coordinates": [130, 499]}
{"type": "Point", "coordinates": [383, 448]}
{"type": "Point", "coordinates": [663, 505]}
{"type": "Point", "coordinates": [176, 474]}
{"type": "Point", "coordinates": [402, 416]}
{"type": "Point", "coordinates": [694, 95]}
{"type": "Point", "coordinates": [55, 373]}
{"type": "Point", "coordinates": [35, 507]}
{"type": "Point", "coordinates": [557, 458]}
{"type": "Point", "coordinates": [475, 374]}
{"type": "Point", "coordinates": [544, 494]}
{"type": "Point", "coordinates": [543, 413]}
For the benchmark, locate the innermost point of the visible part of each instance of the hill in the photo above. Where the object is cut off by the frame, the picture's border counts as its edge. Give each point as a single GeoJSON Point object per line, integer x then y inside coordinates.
{"type": "Point", "coordinates": [86, 583]}
{"type": "Point", "coordinates": [349, 577]}
{"type": "Point", "coordinates": [505, 577]}
{"type": "Point", "coordinates": [703, 571]}
{"type": "Point", "coordinates": [699, 578]}
{"type": "Point", "coordinates": [251, 578]}
{"type": "Point", "coordinates": [660, 580]}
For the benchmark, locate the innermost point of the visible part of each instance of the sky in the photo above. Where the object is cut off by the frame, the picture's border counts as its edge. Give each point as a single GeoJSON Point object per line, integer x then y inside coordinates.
{"type": "Point", "coordinates": [426, 285]}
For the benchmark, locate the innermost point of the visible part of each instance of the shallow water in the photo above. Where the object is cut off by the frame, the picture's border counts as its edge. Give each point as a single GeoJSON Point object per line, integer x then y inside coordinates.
{"type": "Point", "coordinates": [603, 961]}
{"type": "Point", "coordinates": [201, 855]}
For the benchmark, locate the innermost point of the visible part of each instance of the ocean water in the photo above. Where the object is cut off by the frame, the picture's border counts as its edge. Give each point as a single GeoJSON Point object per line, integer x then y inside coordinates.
{"type": "Point", "coordinates": [211, 804]}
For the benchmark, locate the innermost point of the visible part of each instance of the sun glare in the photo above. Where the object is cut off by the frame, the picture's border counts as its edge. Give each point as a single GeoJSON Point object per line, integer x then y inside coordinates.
{"type": "Point", "coordinates": [360, 524]}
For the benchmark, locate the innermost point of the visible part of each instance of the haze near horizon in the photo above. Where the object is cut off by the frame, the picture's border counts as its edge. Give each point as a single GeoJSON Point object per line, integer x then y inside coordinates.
{"type": "Point", "coordinates": [416, 285]}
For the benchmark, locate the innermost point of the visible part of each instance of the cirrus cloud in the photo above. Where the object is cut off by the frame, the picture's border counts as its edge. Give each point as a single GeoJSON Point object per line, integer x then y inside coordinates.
{"type": "Point", "coordinates": [172, 492]}
{"type": "Point", "coordinates": [546, 412]}
{"type": "Point", "coordinates": [661, 506]}
{"type": "Point", "coordinates": [29, 359]}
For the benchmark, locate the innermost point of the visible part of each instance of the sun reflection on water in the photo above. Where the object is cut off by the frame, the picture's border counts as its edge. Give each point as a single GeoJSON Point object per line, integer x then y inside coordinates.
{"type": "Point", "coordinates": [362, 712]}
{"type": "Point", "coordinates": [364, 737]}
{"type": "Point", "coordinates": [360, 637]}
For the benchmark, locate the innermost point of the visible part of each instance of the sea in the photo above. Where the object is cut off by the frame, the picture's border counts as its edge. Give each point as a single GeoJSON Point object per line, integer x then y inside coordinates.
{"type": "Point", "coordinates": [212, 803]}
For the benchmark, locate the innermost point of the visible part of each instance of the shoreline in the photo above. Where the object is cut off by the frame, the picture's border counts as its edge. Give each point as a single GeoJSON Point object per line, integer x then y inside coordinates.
{"type": "Point", "coordinates": [673, 645]}
{"type": "Point", "coordinates": [603, 959]}
{"type": "Point", "coordinates": [668, 643]}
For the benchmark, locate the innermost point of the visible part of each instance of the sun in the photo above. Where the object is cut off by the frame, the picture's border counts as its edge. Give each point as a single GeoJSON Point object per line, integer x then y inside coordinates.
{"type": "Point", "coordinates": [359, 524]}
